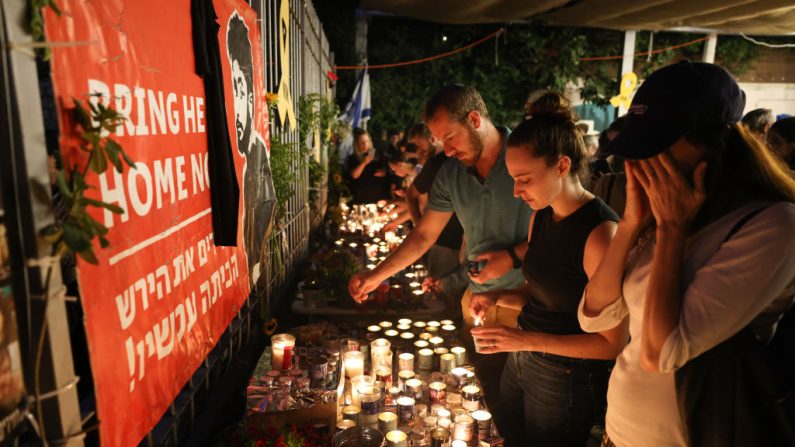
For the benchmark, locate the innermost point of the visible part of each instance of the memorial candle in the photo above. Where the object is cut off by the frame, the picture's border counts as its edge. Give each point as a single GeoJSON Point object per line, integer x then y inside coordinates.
{"type": "Point", "coordinates": [460, 354]}
{"type": "Point", "coordinates": [387, 421]}
{"type": "Point", "coordinates": [354, 363]}
{"type": "Point", "coordinates": [406, 362]}
{"type": "Point", "coordinates": [396, 438]}
{"type": "Point", "coordinates": [425, 359]}
{"type": "Point", "coordinates": [282, 346]}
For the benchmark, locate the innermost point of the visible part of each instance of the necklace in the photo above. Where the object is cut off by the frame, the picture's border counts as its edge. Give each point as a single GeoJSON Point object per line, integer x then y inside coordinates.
{"type": "Point", "coordinates": [582, 195]}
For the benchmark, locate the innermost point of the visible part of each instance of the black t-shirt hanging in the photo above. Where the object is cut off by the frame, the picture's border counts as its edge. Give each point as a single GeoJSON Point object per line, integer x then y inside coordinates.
{"type": "Point", "coordinates": [224, 189]}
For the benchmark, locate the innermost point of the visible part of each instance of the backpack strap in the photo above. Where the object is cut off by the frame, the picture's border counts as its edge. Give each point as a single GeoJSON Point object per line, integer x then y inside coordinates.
{"type": "Point", "coordinates": [740, 223]}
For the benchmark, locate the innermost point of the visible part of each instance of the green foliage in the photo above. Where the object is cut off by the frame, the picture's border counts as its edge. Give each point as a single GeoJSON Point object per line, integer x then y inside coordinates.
{"type": "Point", "coordinates": [284, 163]}
{"type": "Point", "coordinates": [36, 23]}
{"type": "Point", "coordinates": [528, 57]}
{"type": "Point", "coordinates": [316, 112]}
{"type": "Point", "coordinates": [79, 228]}
{"type": "Point", "coordinates": [317, 173]}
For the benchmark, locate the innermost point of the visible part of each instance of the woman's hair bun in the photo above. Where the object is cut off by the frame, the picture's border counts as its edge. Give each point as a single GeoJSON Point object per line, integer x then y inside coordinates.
{"type": "Point", "coordinates": [552, 105]}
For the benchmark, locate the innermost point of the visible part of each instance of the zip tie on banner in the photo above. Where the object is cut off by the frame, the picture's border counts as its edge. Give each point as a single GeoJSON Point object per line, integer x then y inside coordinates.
{"type": "Point", "coordinates": [50, 394]}
{"type": "Point", "coordinates": [44, 261]}
{"type": "Point", "coordinates": [57, 294]}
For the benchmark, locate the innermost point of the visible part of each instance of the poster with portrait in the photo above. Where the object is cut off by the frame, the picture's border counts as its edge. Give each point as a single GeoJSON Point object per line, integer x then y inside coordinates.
{"type": "Point", "coordinates": [162, 293]}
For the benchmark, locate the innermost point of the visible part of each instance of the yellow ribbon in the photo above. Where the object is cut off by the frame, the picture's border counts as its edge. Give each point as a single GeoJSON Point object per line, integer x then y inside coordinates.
{"type": "Point", "coordinates": [624, 98]}
{"type": "Point", "coordinates": [285, 105]}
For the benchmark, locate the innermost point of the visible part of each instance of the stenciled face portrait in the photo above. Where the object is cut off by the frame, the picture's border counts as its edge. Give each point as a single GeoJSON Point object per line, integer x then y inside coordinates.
{"type": "Point", "coordinates": [244, 102]}
{"type": "Point", "coordinates": [238, 49]}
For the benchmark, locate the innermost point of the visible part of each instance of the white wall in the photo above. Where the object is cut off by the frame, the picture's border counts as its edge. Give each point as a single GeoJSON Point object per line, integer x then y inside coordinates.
{"type": "Point", "coordinates": [779, 97]}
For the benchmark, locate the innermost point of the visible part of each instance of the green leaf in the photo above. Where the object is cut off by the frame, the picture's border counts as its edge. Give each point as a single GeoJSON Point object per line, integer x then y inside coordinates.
{"type": "Point", "coordinates": [54, 7]}
{"type": "Point", "coordinates": [79, 182]}
{"type": "Point", "coordinates": [127, 158]}
{"type": "Point", "coordinates": [113, 150]}
{"type": "Point", "coordinates": [95, 162]}
{"type": "Point", "coordinates": [60, 181]}
{"type": "Point", "coordinates": [81, 115]}
{"type": "Point", "coordinates": [115, 209]}
{"type": "Point", "coordinates": [103, 242]}
{"type": "Point", "coordinates": [75, 237]}
{"type": "Point", "coordinates": [88, 256]}
{"type": "Point", "coordinates": [94, 106]}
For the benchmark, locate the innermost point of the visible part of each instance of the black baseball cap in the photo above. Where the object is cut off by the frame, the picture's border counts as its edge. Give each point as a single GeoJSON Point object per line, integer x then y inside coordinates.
{"type": "Point", "coordinates": [672, 102]}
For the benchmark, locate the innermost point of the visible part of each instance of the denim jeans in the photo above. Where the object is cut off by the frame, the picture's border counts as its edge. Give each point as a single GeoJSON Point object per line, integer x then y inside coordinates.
{"type": "Point", "coordinates": [550, 400]}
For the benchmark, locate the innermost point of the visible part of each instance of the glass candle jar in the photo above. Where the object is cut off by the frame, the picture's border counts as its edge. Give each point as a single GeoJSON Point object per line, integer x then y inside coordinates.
{"type": "Point", "coordinates": [282, 346]}
{"type": "Point", "coordinates": [351, 413]}
{"type": "Point", "coordinates": [470, 397]}
{"type": "Point", "coordinates": [406, 362]}
{"type": "Point", "coordinates": [396, 438]}
{"type": "Point", "coordinates": [354, 363]}
{"type": "Point", "coordinates": [425, 360]}
{"type": "Point", "coordinates": [446, 363]}
{"type": "Point", "coordinates": [387, 421]}
{"type": "Point", "coordinates": [483, 422]}
{"type": "Point", "coordinates": [414, 389]}
{"type": "Point", "coordinates": [405, 407]}
{"type": "Point", "coordinates": [464, 428]}
{"type": "Point", "coordinates": [369, 402]}
{"type": "Point", "coordinates": [359, 383]}
{"type": "Point", "coordinates": [460, 354]}
{"type": "Point", "coordinates": [437, 392]}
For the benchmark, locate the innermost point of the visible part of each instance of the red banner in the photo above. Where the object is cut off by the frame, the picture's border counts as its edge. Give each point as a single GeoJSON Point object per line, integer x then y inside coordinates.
{"type": "Point", "coordinates": [162, 293]}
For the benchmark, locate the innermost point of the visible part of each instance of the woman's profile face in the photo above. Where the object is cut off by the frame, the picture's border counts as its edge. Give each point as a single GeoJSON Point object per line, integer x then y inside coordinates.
{"type": "Point", "coordinates": [535, 182]}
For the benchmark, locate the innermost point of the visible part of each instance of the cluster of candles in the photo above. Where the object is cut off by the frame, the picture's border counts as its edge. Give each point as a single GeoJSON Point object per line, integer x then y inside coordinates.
{"type": "Point", "coordinates": [316, 364]}
{"type": "Point", "coordinates": [367, 219]}
{"type": "Point", "coordinates": [413, 382]}
{"type": "Point", "coordinates": [406, 284]}
{"type": "Point", "coordinates": [306, 371]}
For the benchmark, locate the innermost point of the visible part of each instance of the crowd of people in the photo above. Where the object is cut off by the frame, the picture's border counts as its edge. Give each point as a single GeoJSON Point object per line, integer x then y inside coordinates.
{"type": "Point", "coordinates": [637, 283]}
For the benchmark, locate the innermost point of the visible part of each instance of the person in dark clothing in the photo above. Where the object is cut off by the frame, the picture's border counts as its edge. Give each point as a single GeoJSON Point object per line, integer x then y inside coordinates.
{"type": "Point", "coordinates": [758, 121]}
{"type": "Point", "coordinates": [259, 196]}
{"type": "Point", "coordinates": [781, 140]}
{"type": "Point", "coordinates": [554, 383]}
{"type": "Point", "coordinates": [366, 170]}
{"type": "Point", "coordinates": [447, 275]}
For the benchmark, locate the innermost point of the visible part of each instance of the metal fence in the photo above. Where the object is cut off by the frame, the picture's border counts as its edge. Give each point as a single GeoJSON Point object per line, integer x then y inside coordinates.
{"type": "Point", "coordinates": [310, 60]}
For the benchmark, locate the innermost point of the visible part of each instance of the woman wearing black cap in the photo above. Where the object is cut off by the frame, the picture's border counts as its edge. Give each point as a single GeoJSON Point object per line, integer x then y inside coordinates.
{"type": "Point", "coordinates": [702, 256]}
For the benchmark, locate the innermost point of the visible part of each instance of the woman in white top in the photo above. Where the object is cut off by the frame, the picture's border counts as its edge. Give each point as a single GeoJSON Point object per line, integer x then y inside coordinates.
{"type": "Point", "coordinates": [693, 173]}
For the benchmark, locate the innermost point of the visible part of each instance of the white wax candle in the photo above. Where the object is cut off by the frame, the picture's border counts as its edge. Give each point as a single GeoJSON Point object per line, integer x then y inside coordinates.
{"type": "Point", "coordinates": [354, 363]}
{"type": "Point", "coordinates": [406, 362]}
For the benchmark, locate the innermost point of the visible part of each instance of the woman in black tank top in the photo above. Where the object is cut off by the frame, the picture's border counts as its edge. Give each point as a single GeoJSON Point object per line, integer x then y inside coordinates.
{"type": "Point", "coordinates": [554, 384]}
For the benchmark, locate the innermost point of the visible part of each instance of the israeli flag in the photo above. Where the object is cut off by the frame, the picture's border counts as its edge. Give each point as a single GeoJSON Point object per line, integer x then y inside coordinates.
{"type": "Point", "coordinates": [358, 110]}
